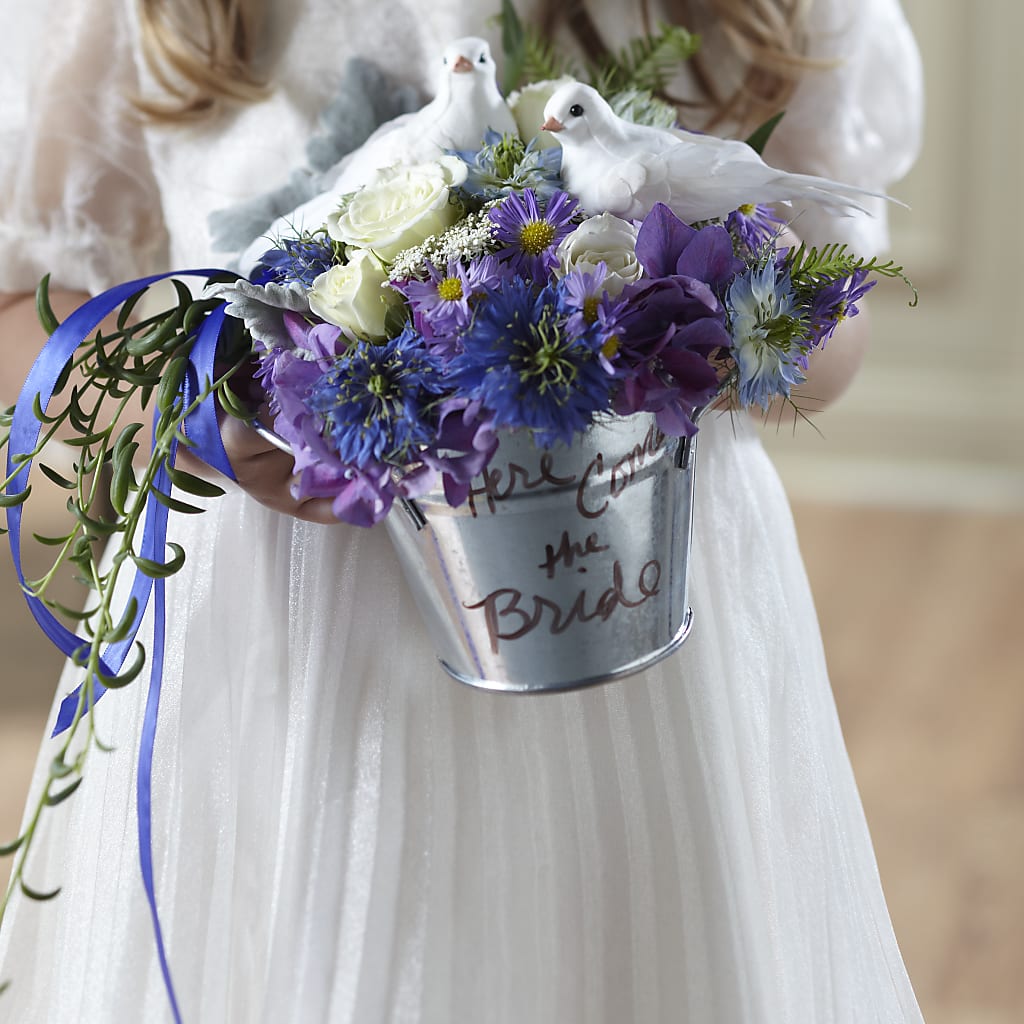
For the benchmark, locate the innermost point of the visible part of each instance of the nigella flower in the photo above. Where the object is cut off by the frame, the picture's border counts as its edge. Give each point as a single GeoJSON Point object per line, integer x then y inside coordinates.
{"type": "Point", "coordinates": [519, 361]}
{"type": "Point", "coordinates": [301, 259]}
{"type": "Point", "coordinates": [504, 165]}
{"type": "Point", "coordinates": [835, 302]}
{"type": "Point", "coordinates": [531, 236]}
{"type": "Point", "coordinates": [769, 342]}
{"type": "Point", "coordinates": [441, 305]}
{"type": "Point", "coordinates": [753, 226]}
{"type": "Point", "coordinates": [375, 400]}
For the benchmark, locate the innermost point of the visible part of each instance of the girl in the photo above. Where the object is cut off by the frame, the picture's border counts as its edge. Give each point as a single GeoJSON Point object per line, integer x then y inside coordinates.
{"type": "Point", "coordinates": [341, 833]}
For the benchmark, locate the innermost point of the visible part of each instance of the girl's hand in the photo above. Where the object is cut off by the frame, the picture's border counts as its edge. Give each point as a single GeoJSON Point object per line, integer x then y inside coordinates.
{"type": "Point", "coordinates": [263, 471]}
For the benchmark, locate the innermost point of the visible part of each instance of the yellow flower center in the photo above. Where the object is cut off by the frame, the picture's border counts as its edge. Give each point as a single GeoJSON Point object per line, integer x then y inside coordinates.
{"type": "Point", "coordinates": [610, 347]}
{"type": "Point", "coordinates": [536, 236]}
{"type": "Point", "coordinates": [590, 305]}
{"type": "Point", "coordinates": [748, 209]}
{"type": "Point", "coordinates": [450, 289]}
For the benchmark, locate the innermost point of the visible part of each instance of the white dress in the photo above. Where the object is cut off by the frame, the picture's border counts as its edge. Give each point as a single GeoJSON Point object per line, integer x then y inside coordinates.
{"type": "Point", "coordinates": [342, 833]}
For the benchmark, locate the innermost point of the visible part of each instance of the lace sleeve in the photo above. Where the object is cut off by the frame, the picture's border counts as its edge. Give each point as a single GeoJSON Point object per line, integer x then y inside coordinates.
{"type": "Point", "coordinates": [857, 120]}
{"type": "Point", "coordinates": [77, 195]}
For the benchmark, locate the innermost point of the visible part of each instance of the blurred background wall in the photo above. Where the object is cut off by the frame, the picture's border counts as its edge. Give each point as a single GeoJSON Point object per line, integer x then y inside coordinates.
{"type": "Point", "coordinates": [910, 506]}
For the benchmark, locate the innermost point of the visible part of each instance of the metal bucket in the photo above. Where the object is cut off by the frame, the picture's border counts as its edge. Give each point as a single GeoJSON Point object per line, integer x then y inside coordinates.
{"type": "Point", "coordinates": [565, 568]}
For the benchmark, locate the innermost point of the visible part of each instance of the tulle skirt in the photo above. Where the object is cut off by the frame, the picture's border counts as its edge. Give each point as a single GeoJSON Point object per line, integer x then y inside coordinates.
{"type": "Point", "coordinates": [344, 834]}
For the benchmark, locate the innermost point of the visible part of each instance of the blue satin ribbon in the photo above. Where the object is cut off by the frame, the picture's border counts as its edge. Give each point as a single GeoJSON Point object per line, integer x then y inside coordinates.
{"type": "Point", "coordinates": [203, 432]}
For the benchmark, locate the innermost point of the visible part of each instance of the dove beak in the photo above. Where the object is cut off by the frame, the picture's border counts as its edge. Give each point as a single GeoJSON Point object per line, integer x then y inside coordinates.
{"type": "Point", "coordinates": [462, 65]}
{"type": "Point", "coordinates": [552, 124]}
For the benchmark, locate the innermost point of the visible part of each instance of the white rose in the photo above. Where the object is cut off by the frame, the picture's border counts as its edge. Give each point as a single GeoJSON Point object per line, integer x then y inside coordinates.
{"type": "Point", "coordinates": [400, 207]}
{"type": "Point", "coordinates": [352, 296]}
{"type": "Point", "coordinates": [602, 239]}
{"type": "Point", "coordinates": [527, 106]}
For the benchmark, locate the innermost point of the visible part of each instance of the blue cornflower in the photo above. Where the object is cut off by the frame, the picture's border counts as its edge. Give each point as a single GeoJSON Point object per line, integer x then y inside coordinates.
{"type": "Point", "coordinates": [519, 361]}
{"type": "Point", "coordinates": [769, 341]}
{"type": "Point", "coordinates": [376, 400]}
{"type": "Point", "coordinates": [531, 236]}
{"type": "Point", "coordinates": [299, 259]}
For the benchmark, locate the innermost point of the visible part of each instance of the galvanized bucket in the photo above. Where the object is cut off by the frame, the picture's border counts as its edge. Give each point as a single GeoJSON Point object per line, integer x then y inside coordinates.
{"type": "Point", "coordinates": [565, 568]}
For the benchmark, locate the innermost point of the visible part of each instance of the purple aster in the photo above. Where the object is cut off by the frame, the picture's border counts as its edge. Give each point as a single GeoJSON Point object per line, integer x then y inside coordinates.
{"type": "Point", "coordinates": [519, 361]}
{"type": "Point", "coordinates": [442, 305]}
{"type": "Point", "coordinates": [754, 226]}
{"type": "Point", "coordinates": [835, 302]}
{"type": "Point", "coordinates": [375, 400]}
{"type": "Point", "coordinates": [531, 236]}
{"type": "Point", "coordinates": [583, 297]}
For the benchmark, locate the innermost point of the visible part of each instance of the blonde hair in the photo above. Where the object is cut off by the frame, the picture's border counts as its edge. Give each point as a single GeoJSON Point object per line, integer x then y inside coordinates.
{"type": "Point", "coordinates": [767, 37]}
{"type": "Point", "coordinates": [202, 52]}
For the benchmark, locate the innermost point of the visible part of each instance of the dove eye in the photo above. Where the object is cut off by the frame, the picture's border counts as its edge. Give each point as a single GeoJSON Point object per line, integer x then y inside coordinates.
{"type": "Point", "coordinates": [483, 58]}
{"type": "Point", "coordinates": [576, 110]}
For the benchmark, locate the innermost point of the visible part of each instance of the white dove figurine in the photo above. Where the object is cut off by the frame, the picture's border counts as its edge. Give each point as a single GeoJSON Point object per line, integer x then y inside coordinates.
{"type": "Point", "coordinates": [467, 103]}
{"type": "Point", "coordinates": [613, 165]}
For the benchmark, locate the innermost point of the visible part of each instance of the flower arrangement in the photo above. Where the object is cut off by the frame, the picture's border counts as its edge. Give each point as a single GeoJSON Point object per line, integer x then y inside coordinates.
{"type": "Point", "coordinates": [448, 301]}
{"type": "Point", "coordinates": [440, 306]}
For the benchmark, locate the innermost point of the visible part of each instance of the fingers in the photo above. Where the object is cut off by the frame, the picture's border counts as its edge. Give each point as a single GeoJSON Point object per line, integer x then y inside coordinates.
{"type": "Point", "coordinates": [265, 473]}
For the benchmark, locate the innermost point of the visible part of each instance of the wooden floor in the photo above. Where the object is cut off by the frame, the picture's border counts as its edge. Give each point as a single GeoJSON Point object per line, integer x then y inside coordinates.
{"type": "Point", "coordinates": [923, 618]}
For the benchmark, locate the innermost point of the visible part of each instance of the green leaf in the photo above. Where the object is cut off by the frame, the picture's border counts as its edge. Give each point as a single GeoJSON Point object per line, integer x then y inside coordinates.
{"type": "Point", "coordinates": [59, 768]}
{"type": "Point", "coordinates": [55, 477]}
{"type": "Point", "coordinates": [6, 851]}
{"type": "Point", "coordinates": [35, 894]}
{"type": "Point", "coordinates": [127, 675]}
{"type": "Point", "coordinates": [161, 570]}
{"type": "Point", "coordinates": [191, 484]}
{"type": "Point", "coordinates": [96, 527]}
{"type": "Point", "coordinates": [157, 338]}
{"type": "Point", "coordinates": [170, 383]}
{"type": "Point", "coordinates": [175, 505]}
{"type": "Point", "coordinates": [123, 628]}
{"type": "Point", "coordinates": [122, 478]}
{"type": "Point", "coordinates": [513, 45]}
{"type": "Point", "coordinates": [128, 307]}
{"type": "Point", "coordinates": [10, 500]}
{"type": "Point", "coordinates": [43, 308]}
{"type": "Point", "coordinates": [51, 542]}
{"type": "Point", "coordinates": [758, 139]}
{"type": "Point", "coordinates": [53, 799]}
{"type": "Point", "coordinates": [75, 614]}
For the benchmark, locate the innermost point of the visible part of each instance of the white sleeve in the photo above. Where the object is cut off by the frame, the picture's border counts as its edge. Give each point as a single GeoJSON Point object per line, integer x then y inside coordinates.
{"type": "Point", "coordinates": [858, 119]}
{"type": "Point", "coordinates": [77, 194]}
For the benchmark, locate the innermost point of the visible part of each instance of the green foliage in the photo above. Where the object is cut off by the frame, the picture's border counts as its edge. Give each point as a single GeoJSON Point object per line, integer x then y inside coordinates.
{"type": "Point", "coordinates": [645, 64]}
{"type": "Point", "coordinates": [108, 489]}
{"type": "Point", "coordinates": [810, 266]}
{"type": "Point", "coordinates": [758, 139]}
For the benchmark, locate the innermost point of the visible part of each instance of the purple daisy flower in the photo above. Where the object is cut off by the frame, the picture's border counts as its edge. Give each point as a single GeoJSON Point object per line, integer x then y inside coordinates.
{"type": "Point", "coordinates": [531, 236]}
{"type": "Point", "coordinates": [836, 302]}
{"type": "Point", "coordinates": [753, 226]}
{"type": "Point", "coordinates": [590, 309]}
{"type": "Point", "coordinates": [442, 305]}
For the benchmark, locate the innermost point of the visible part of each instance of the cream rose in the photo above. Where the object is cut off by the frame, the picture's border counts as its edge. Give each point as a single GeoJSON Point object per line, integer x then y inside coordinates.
{"type": "Point", "coordinates": [400, 207]}
{"type": "Point", "coordinates": [352, 295]}
{"type": "Point", "coordinates": [527, 106]}
{"type": "Point", "coordinates": [602, 239]}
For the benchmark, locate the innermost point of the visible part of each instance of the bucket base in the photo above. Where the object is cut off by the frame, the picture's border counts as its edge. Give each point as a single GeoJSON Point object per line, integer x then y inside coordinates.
{"type": "Point", "coordinates": [562, 686]}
